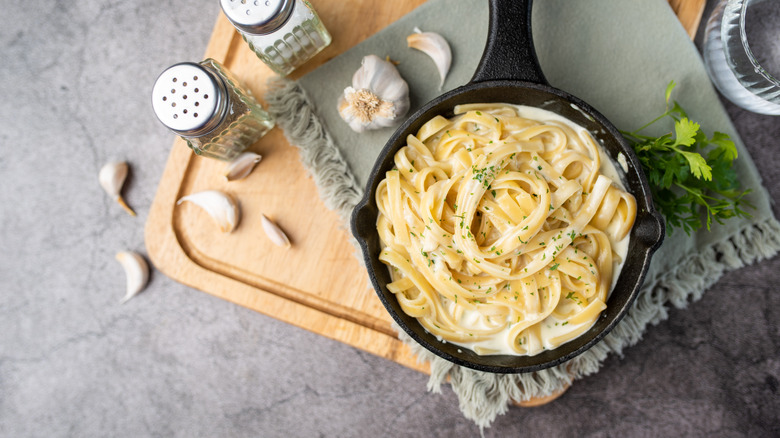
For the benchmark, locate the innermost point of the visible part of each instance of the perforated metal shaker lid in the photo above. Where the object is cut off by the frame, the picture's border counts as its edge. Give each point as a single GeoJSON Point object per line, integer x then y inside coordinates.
{"type": "Point", "coordinates": [189, 99]}
{"type": "Point", "coordinates": [258, 17]}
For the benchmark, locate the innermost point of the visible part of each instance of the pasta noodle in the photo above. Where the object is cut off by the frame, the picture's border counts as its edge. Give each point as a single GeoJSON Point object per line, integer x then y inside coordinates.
{"type": "Point", "coordinates": [503, 228]}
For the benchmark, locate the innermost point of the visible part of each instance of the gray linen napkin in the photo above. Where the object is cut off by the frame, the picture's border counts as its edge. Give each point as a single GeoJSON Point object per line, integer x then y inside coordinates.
{"type": "Point", "coordinates": [617, 55]}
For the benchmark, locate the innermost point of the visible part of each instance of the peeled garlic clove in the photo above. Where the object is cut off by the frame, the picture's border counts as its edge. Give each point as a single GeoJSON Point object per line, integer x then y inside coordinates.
{"type": "Point", "coordinates": [112, 177]}
{"type": "Point", "coordinates": [220, 206]}
{"type": "Point", "coordinates": [435, 46]}
{"type": "Point", "coordinates": [242, 166]}
{"type": "Point", "coordinates": [378, 97]}
{"type": "Point", "coordinates": [275, 233]}
{"type": "Point", "coordinates": [136, 271]}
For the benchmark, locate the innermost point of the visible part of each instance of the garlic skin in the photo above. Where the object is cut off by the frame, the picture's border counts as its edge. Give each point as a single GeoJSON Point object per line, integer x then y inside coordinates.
{"type": "Point", "coordinates": [220, 206]}
{"type": "Point", "coordinates": [136, 271]}
{"type": "Point", "coordinates": [112, 177]}
{"type": "Point", "coordinates": [378, 97]}
{"type": "Point", "coordinates": [275, 233]}
{"type": "Point", "coordinates": [242, 166]}
{"type": "Point", "coordinates": [435, 46]}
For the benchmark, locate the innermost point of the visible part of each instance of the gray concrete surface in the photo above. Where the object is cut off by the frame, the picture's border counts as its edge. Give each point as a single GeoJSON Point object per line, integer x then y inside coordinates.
{"type": "Point", "coordinates": [74, 90]}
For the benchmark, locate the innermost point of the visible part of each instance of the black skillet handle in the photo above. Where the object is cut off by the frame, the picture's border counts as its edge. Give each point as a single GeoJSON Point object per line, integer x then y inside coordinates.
{"type": "Point", "coordinates": [509, 52]}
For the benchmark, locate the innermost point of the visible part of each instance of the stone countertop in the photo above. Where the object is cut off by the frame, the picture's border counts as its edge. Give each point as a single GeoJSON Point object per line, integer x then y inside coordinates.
{"type": "Point", "coordinates": [75, 80]}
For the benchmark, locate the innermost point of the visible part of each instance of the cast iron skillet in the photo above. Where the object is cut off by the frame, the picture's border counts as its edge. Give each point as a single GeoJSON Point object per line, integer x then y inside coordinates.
{"type": "Point", "coordinates": [509, 73]}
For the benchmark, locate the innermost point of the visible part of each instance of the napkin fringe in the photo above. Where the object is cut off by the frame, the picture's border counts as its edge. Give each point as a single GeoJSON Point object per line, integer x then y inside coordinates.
{"type": "Point", "coordinates": [289, 103]}
{"type": "Point", "coordinates": [483, 396]}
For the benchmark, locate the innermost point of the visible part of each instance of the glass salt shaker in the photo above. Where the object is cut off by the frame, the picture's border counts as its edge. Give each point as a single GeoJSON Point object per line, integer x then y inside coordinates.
{"type": "Point", "coordinates": [283, 33]}
{"type": "Point", "coordinates": [205, 104]}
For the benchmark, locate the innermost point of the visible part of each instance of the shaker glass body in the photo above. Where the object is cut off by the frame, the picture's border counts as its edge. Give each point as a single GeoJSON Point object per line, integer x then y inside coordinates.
{"type": "Point", "coordinates": [300, 37]}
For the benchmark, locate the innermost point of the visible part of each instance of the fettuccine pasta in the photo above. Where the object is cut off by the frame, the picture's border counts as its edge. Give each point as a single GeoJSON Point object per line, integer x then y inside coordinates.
{"type": "Point", "coordinates": [503, 228]}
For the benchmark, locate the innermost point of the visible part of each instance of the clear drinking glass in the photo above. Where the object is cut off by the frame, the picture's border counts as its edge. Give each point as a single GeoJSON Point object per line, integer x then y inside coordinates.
{"type": "Point", "coordinates": [742, 53]}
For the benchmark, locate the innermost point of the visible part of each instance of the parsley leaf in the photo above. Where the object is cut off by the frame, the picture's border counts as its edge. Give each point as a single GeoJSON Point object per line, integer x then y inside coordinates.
{"type": "Point", "coordinates": [691, 176]}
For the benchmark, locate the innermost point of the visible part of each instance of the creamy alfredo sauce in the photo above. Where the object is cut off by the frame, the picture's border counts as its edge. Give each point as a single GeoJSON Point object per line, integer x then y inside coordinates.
{"type": "Point", "coordinates": [550, 327]}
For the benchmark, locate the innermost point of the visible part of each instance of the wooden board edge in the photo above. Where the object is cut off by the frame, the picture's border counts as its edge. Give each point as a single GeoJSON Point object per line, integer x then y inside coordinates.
{"type": "Point", "coordinates": [689, 12]}
{"type": "Point", "coordinates": [167, 255]}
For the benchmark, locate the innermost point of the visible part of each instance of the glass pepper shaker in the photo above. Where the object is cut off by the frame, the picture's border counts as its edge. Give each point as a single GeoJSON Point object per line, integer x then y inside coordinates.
{"type": "Point", "coordinates": [283, 33]}
{"type": "Point", "coordinates": [205, 104]}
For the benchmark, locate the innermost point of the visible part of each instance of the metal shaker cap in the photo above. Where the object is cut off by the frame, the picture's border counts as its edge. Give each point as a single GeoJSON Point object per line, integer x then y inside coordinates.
{"type": "Point", "coordinates": [189, 99]}
{"type": "Point", "coordinates": [257, 17]}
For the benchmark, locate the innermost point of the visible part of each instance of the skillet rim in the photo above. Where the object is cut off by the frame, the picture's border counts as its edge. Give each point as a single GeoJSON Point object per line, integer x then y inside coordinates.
{"type": "Point", "coordinates": [648, 233]}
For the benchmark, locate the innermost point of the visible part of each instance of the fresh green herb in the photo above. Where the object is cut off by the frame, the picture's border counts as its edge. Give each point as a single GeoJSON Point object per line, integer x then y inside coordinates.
{"type": "Point", "coordinates": [688, 172]}
{"type": "Point", "coordinates": [485, 175]}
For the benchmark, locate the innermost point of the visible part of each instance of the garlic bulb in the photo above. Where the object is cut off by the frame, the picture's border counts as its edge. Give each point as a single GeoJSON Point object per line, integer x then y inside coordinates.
{"type": "Point", "coordinates": [242, 166]}
{"type": "Point", "coordinates": [112, 177]}
{"type": "Point", "coordinates": [220, 206]}
{"type": "Point", "coordinates": [435, 46]}
{"type": "Point", "coordinates": [378, 97]}
{"type": "Point", "coordinates": [275, 233]}
{"type": "Point", "coordinates": [136, 271]}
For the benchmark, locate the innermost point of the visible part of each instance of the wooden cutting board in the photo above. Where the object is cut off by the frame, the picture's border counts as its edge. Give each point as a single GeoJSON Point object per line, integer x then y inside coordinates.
{"type": "Point", "coordinates": [318, 284]}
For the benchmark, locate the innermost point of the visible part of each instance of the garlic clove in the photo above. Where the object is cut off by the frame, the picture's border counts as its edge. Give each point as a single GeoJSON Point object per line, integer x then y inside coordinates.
{"type": "Point", "coordinates": [112, 177]}
{"type": "Point", "coordinates": [136, 271]}
{"type": "Point", "coordinates": [436, 47]}
{"type": "Point", "coordinates": [242, 166]}
{"type": "Point", "coordinates": [220, 206]}
{"type": "Point", "coordinates": [275, 233]}
{"type": "Point", "coordinates": [378, 97]}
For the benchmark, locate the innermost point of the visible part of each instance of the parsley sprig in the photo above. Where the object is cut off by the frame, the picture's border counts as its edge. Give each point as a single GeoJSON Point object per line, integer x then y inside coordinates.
{"type": "Point", "coordinates": [685, 185]}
